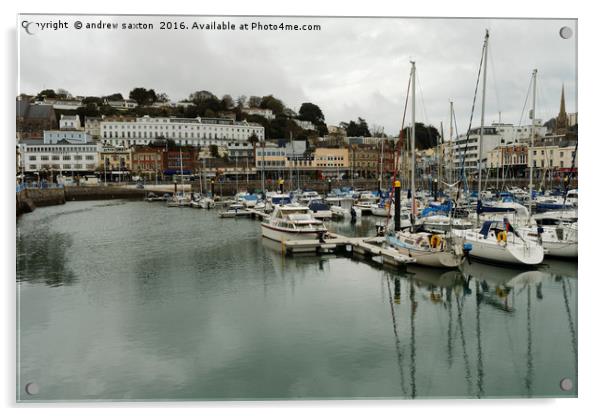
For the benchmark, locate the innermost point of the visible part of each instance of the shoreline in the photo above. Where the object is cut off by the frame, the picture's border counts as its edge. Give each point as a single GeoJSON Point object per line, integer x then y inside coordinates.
{"type": "Point", "coordinates": [29, 199]}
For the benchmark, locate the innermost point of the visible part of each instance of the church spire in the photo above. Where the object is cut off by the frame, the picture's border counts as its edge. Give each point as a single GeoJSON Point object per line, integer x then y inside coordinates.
{"type": "Point", "coordinates": [562, 119]}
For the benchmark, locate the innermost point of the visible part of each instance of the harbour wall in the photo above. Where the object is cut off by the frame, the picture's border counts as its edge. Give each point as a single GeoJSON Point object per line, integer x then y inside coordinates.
{"type": "Point", "coordinates": [90, 193]}
{"type": "Point", "coordinates": [29, 199]}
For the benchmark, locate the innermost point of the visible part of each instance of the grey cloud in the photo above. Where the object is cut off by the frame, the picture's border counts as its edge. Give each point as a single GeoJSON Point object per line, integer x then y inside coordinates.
{"type": "Point", "coordinates": [352, 67]}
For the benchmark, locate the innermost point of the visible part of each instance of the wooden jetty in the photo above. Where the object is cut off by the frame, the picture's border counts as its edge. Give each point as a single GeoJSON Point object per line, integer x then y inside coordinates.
{"type": "Point", "coordinates": [368, 247]}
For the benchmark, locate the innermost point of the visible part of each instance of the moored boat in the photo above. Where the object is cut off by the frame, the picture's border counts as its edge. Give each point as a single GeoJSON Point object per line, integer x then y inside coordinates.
{"type": "Point", "coordinates": [292, 222]}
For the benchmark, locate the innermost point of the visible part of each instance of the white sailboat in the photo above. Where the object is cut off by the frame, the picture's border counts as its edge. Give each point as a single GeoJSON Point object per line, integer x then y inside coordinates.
{"type": "Point", "coordinates": [428, 248]}
{"type": "Point", "coordinates": [497, 241]}
{"type": "Point", "coordinates": [557, 240]}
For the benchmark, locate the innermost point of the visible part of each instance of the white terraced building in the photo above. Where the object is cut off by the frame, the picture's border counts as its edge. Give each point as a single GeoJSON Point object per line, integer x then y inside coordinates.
{"type": "Point", "coordinates": [184, 131]}
{"type": "Point", "coordinates": [493, 136]}
{"type": "Point", "coordinates": [62, 156]}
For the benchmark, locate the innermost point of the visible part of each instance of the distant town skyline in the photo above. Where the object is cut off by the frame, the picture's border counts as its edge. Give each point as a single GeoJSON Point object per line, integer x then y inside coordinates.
{"type": "Point", "coordinates": [351, 67]}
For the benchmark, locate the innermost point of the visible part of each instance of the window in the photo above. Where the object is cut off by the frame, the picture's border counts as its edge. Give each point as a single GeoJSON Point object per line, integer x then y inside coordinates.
{"type": "Point", "coordinates": [43, 157]}
{"type": "Point", "coordinates": [66, 157]}
{"type": "Point", "coordinates": [32, 158]}
{"type": "Point", "coordinates": [56, 157]}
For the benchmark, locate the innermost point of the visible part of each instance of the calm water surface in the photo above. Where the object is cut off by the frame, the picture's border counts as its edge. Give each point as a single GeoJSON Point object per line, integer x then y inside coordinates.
{"type": "Point", "coordinates": [135, 301]}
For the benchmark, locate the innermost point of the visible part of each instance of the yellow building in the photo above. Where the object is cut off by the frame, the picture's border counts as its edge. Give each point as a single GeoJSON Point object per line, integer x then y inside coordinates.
{"type": "Point", "coordinates": [326, 158]}
{"type": "Point", "coordinates": [553, 157]}
{"type": "Point", "coordinates": [115, 159]}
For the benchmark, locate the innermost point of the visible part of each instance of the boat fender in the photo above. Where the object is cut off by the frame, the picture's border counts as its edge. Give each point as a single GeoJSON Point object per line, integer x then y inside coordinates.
{"type": "Point", "coordinates": [466, 249]}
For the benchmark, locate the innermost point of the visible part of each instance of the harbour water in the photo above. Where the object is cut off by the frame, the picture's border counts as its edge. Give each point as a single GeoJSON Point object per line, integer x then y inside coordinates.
{"type": "Point", "coordinates": [133, 301]}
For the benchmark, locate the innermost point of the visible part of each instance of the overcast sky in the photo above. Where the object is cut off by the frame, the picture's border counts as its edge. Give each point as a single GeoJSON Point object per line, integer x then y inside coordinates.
{"type": "Point", "coordinates": [352, 67]}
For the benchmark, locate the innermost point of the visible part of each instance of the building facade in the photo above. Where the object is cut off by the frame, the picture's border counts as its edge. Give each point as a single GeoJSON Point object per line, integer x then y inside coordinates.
{"type": "Point", "coordinates": [304, 124]}
{"type": "Point", "coordinates": [59, 157]}
{"type": "Point", "coordinates": [122, 105]}
{"type": "Point", "coordinates": [69, 122]}
{"type": "Point", "coordinates": [465, 149]}
{"type": "Point", "coordinates": [183, 131]}
{"type": "Point", "coordinates": [147, 161]}
{"type": "Point", "coordinates": [71, 136]}
{"type": "Point", "coordinates": [92, 126]}
{"type": "Point", "coordinates": [263, 112]}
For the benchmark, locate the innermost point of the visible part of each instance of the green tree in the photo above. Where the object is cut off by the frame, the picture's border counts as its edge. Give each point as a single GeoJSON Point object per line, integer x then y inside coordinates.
{"type": "Point", "coordinates": [162, 97]}
{"type": "Point", "coordinates": [92, 100]}
{"type": "Point", "coordinates": [63, 93]}
{"type": "Point", "coordinates": [227, 102]}
{"type": "Point", "coordinates": [254, 101]}
{"type": "Point", "coordinates": [311, 112]}
{"type": "Point", "coordinates": [198, 97]}
{"type": "Point", "coordinates": [426, 136]}
{"type": "Point", "coordinates": [114, 97]}
{"type": "Point", "coordinates": [214, 151]}
{"type": "Point", "coordinates": [143, 96]}
{"type": "Point", "coordinates": [241, 101]}
{"type": "Point", "coordinates": [253, 139]}
{"type": "Point", "coordinates": [272, 103]}
{"type": "Point", "coordinates": [356, 129]}
{"type": "Point", "coordinates": [46, 94]}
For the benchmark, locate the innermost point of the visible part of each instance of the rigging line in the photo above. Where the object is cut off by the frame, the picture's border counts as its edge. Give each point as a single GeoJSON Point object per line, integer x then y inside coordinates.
{"type": "Point", "coordinates": [542, 100]}
{"type": "Point", "coordinates": [571, 324]}
{"type": "Point", "coordinates": [522, 114]}
{"type": "Point", "coordinates": [495, 89]}
{"type": "Point", "coordinates": [474, 99]}
{"type": "Point", "coordinates": [467, 375]}
{"type": "Point", "coordinates": [426, 117]}
{"type": "Point", "coordinates": [397, 342]}
{"type": "Point", "coordinates": [398, 151]}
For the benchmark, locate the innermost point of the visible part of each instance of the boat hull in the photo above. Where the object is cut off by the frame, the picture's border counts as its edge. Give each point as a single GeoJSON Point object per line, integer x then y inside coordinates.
{"type": "Point", "coordinates": [435, 258]}
{"type": "Point", "coordinates": [381, 212]}
{"type": "Point", "coordinates": [279, 234]}
{"type": "Point", "coordinates": [561, 249]}
{"type": "Point", "coordinates": [496, 252]}
{"type": "Point", "coordinates": [443, 260]}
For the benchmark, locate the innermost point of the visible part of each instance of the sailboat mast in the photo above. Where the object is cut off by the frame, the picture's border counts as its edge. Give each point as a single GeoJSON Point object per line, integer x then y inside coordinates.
{"type": "Point", "coordinates": [201, 178]}
{"type": "Point", "coordinates": [263, 168]}
{"type": "Point", "coordinates": [382, 155]}
{"type": "Point", "coordinates": [413, 144]}
{"type": "Point", "coordinates": [450, 178]}
{"type": "Point", "coordinates": [482, 129]}
{"type": "Point", "coordinates": [532, 143]}
{"type": "Point", "coordinates": [439, 155]}
{"type": "Point", "coordinates": [290, 169]}
{"type": "Point", "coordinates": [181, 171]}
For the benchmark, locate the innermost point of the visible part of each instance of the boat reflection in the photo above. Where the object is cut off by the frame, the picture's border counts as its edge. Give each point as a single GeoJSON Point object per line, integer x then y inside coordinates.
{"type": "Point", "coordinates": [463, 293]}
